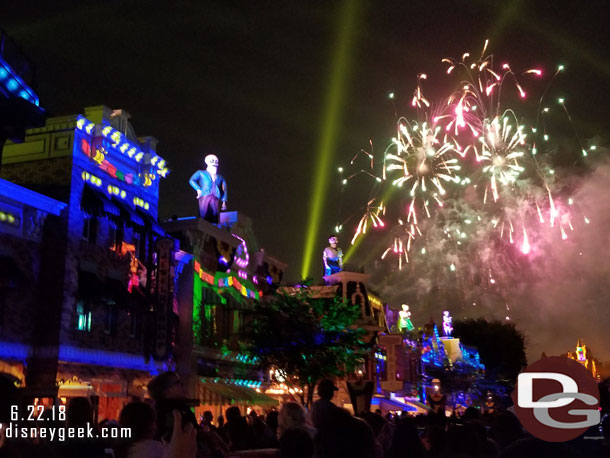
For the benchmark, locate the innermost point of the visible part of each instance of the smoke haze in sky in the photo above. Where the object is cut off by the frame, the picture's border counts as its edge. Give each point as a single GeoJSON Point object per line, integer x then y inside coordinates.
{"type": "Point", "coordinates": [557, 293]}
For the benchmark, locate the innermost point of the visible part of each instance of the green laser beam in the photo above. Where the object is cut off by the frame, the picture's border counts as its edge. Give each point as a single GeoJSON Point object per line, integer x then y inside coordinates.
{"type": "Point", "coordinates": [330, 124]}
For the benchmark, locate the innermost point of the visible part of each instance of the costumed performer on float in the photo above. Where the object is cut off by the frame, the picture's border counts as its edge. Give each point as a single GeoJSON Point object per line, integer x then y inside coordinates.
{"type": "Point", "coordinates": [447, 323]}
{"type": "Point", "coordinates": [404, 321]}
{"type": "Point", "coordinates": [332, 257]}
{"type": "Point", "coordinates": [211, 190]}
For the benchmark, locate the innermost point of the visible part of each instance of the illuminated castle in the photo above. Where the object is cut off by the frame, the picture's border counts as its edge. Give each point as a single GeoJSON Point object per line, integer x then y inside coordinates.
{"type": "Point", "coordinates": [585, 357]}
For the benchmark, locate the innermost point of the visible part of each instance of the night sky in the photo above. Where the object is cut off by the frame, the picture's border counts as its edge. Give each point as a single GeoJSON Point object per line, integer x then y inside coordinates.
{"type": "Point", "coordinates": [249, 80]}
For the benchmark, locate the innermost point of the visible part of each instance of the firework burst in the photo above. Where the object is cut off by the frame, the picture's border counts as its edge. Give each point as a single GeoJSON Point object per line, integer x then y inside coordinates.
{"type": "Point", "coordinates": [468, 147]}
{"type": "Point", "coordinates": [426, 161]}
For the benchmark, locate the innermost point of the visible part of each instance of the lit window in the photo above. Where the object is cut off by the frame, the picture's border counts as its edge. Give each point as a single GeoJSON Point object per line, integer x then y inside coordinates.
{"type": "Point", "coordinates": [83, 316]}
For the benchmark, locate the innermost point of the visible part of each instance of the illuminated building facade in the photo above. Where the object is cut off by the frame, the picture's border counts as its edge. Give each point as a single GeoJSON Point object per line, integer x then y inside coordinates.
{"type": "Point", "coordinates": [24, 218]}
{"type": "Point", "coordinates": [220, 271]}
{"type": "Point", "coordinates": [103, 322]}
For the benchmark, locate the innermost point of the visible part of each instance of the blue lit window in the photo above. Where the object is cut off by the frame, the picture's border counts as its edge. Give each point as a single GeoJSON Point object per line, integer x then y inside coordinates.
{"type": "Point", "coordinates": [83, 316]}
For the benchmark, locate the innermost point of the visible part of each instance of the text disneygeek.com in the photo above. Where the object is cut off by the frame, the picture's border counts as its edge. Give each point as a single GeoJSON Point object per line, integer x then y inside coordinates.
{"type": "Point", "coordinates": [61, 433]}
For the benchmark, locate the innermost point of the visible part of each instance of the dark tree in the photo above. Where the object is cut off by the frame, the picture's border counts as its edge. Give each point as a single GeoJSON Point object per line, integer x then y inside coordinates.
{"type": "Point", "coordinates": [501, 346]}
{"type": "Point", "coordinates": [306, 338]}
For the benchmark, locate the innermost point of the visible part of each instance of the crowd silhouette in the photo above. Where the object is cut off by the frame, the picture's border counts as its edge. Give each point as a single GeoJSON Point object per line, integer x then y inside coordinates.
{"type": "Point", "coordinates": [165, 427]}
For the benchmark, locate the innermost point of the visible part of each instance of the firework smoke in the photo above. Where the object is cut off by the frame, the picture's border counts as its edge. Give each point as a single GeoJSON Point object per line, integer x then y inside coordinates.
{"type": "Point", "coordinates": [486, 222]}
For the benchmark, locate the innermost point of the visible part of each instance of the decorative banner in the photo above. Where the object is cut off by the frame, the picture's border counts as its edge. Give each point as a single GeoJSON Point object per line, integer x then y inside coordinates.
{"type": "Point", "coordinates": [164, 248]}
{"type": "Point", "coordinates": [224, 280]}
